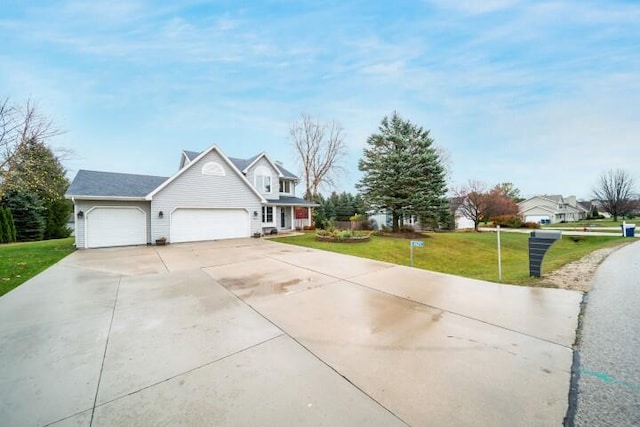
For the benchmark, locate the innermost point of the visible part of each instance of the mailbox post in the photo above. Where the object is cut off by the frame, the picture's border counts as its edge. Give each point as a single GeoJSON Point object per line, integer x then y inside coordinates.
{"type": "Point", "coordinates": [539, 244]}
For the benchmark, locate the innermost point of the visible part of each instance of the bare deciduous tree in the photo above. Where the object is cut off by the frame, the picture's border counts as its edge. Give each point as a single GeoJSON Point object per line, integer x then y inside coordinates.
{"type": "Point", "coordinates": [18, 125]}
{"type": "Point", "coordinates": [472, 201]}
{"type": "Point", "coordinates": [320, 147]}
{"type": "Point", "coordinates": [614, 191]}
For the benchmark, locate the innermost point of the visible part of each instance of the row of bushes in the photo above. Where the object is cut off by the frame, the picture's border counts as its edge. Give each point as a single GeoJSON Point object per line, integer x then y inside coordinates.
{"type": "Point", "coordinates": [512, 221]}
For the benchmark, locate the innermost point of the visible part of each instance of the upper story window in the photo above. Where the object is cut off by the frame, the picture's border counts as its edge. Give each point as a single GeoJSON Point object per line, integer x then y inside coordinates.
{"type": "Point", "coordinates": [263, 179]}
{"type": "Point", "coordinates": [285, 186]}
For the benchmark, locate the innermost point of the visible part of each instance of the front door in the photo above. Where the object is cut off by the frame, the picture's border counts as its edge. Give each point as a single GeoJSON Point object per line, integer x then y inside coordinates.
{"type": "Point", "coordinates": [282, 218]}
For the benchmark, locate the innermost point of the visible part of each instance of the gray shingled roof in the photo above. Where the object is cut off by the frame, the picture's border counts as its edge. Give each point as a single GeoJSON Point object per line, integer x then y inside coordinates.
{"type": "Point", "coordinates": [110, 184]}
{"type": "Point", "coordinates": [286, 173]}
{"type": "Point", "coordinates": [241, 164]}
{"type": "Point", "coordinates": [290, 200]}
{"type": "Point", "coordinates": [555, 197]}
{"type": "Point", "coordinates": [191, 154]}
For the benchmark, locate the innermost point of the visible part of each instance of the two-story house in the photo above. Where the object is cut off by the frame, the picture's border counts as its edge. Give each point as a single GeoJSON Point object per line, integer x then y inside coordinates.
{"type": "Point", "coordinates": [210, 197]}
{"type": "Point", "coordinates": [551, 209]}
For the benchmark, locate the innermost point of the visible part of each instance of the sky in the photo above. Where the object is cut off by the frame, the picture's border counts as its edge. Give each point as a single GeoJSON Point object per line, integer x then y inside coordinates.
{"type": "Point", "coordinates": [543, 94]}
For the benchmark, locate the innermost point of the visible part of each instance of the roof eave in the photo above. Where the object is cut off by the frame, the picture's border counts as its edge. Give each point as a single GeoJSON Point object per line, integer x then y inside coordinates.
{"type": "Point", "coordinates": [121, 198]}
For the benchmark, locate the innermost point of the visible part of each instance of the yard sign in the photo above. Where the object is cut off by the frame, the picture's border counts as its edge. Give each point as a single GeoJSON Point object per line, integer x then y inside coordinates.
{"type": "Point", "coordinates": [416, 243]}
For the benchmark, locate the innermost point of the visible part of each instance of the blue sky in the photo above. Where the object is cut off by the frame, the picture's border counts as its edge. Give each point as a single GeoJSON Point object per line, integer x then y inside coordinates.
{"type": "Point", "coordinates": [544, 94]}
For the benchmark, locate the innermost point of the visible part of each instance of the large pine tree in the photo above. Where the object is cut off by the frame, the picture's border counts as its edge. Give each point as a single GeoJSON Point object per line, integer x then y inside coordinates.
{"type": "Point", "coordinates": [35, 169]}
{"type": "Point", "coordinates": [403, 173]}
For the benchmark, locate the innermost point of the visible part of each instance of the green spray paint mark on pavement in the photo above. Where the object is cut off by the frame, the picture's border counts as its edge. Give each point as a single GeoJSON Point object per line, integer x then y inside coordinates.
{"type": "Point", "coordinates": [608, 379]}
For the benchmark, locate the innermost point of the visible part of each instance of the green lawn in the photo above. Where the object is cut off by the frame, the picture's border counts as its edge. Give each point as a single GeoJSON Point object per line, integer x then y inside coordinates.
{"type": "Point", "coordinates": [21, 261]}
{"type": "Point", "coordinates": [471, 255]}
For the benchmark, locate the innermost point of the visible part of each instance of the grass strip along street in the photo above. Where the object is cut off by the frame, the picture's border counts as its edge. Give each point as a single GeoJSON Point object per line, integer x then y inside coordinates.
{"type": "Point", "coordinates": [21, 261]}
{"type": "Point", "coordinates": [472, 255]}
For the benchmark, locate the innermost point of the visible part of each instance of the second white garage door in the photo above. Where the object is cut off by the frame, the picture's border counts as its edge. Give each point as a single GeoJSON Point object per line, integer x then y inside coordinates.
{"type": "Point", "coordinates": [191, 225]}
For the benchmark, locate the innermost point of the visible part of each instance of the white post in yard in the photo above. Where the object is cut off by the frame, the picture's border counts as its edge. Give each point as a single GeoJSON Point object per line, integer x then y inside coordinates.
{"type": "Point", "coordinates": [499, 257]}
{"type": "Point", "coordinates": [411, 254]}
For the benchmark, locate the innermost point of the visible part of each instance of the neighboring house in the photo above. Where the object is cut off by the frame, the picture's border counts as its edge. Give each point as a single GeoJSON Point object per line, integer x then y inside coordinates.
{"type": "Point", "coordinates": [598, 205]}
{"type": "Point", "coordinates": [211, 197]}
{"type": "Point", "coordinates": [384, 218]}
{"type": "Point", "coordinates": [461, 221]}
{"type": "Point", "coordinates": [380, 219]}
{"type": "Point", "coordinates": [552, 209]}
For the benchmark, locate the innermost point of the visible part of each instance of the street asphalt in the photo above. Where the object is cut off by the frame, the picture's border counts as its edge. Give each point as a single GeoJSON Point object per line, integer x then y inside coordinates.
{"type": "Point", "coordinates": [609, 349]}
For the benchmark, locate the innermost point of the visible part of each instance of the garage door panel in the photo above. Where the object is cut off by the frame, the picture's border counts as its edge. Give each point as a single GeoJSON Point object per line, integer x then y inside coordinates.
{"type": "Point", "coordinates": [191, 225]}
{"type": "Point", "coordinates": [116, 227]}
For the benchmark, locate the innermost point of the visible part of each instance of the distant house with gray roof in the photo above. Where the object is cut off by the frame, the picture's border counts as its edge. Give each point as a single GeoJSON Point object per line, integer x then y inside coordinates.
{"type": "Point", "coordinates": [551, 209]}
{"type": "Point", "coordinates": [210, 197]}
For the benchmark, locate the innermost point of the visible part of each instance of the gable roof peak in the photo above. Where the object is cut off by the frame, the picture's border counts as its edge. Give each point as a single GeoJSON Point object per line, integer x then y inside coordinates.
{"type": "Point", "coordinates": [201, 155]}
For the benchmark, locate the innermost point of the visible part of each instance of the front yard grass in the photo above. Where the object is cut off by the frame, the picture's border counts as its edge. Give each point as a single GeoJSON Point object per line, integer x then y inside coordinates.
{"type": "Point", "coordinates": [472, 255]}
{"type": "Point", "coordinates": [21, 261]}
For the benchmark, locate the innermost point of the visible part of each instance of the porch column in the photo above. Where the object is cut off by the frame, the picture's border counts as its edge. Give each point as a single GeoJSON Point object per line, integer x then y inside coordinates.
{"type": "Point", "coordinates": [292, 226]}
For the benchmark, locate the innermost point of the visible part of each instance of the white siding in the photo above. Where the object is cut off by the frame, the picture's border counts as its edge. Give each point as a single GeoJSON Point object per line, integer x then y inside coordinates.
{"type": "Point", "coordinates": [464, 223]}
{"type": "Point", "coordinates": [86, 205]}
{"type": "Point", "coordinates": [194, 190]}
{"type": "Point", "coordinates": [537, 201]}
{"type": "Point", "coordinates": [274, 178]}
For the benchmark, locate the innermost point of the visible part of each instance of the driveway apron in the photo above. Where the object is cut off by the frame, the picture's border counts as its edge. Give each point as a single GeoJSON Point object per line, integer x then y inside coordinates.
{"type": "Point", "coordinates": [252, 332]}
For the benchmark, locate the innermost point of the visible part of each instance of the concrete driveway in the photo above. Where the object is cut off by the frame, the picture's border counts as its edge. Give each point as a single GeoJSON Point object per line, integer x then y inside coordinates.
{"type": "Point", "coordinates": [252, 332]}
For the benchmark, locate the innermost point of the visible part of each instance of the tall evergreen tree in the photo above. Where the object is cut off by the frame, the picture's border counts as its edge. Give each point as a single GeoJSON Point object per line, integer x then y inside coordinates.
{"type": "Point", "coordinates": [28, 214]}
{"type": "Point", "coordinates": [345, 207]}
{"type": "Point", "coordinates": [403, 173]}
{"type": "Point", "coordinates": [57, 216]}
{"type": "Point", "coordinates": [35, 169]}
{"type": "Point", "coordinates": [7, 227]}
{"type": "Point", "coordinates": [11, 226]}
{"type": "Point", "coordinates": [359, 204]}
{"type": "Point", "coordinates": [4, 226]}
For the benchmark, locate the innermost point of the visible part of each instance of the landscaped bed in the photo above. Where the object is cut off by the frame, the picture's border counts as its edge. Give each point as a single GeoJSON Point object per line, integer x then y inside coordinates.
{"type": "Point", "coordinates": [343, 236]}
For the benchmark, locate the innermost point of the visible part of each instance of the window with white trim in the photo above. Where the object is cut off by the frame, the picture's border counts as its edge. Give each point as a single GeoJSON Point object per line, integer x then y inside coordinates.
{"type": "Point", "coordinates": [263, 179]}
{"type": "Point", "coordinates": [285, 186]}
{"type": "Point", "coordinates": [267, 214]}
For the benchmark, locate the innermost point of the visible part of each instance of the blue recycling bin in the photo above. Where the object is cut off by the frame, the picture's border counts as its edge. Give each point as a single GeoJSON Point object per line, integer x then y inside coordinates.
{"type": "Point", "coordinates": [628, 230]}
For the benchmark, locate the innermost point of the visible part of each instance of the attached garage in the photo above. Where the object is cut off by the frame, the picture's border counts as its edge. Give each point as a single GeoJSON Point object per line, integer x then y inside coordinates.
{"type": "Point", "coordinates": [115, 226]}
{"type": "Point", "coordinates": [190, 224]}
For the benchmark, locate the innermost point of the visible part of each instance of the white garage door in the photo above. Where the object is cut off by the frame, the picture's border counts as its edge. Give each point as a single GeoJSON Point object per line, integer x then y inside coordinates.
{"type": "Point", "coordinates": [116, 227]}
{"type": "Point", "coordinates": [190, 225]}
